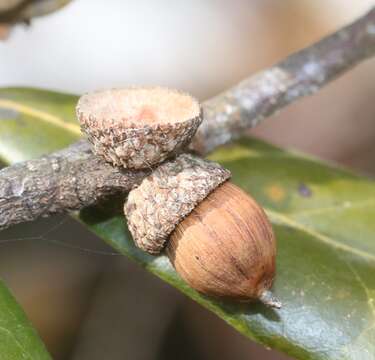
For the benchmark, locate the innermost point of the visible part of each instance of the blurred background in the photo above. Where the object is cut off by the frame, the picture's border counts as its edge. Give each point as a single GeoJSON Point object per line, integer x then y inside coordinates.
{"type": "Point", "coordinates": [90, 303]}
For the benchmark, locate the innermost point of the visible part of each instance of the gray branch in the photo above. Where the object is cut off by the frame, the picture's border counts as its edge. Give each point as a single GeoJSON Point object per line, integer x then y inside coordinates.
{"type": "Point", "coordinates": [229, 114]}
{"type": "Point", "coordinates": [66, 180]}
{"type": "Point", "coordinates": [74, 178]}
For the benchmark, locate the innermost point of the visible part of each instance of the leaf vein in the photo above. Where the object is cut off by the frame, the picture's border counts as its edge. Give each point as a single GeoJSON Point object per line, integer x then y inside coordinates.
{"type": "Point", "coordinates": [282, 219]}
{"type": "Point", "coordinates": [343, 206]}
{"type": "Point", "coordinates": [41, 115]}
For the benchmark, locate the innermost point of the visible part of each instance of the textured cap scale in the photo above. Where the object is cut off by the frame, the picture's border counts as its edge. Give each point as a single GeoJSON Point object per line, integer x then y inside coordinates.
{"type": "Point", "coordinates": [138, 127]}
{"type": "Point", "coordinates": [168, 195]}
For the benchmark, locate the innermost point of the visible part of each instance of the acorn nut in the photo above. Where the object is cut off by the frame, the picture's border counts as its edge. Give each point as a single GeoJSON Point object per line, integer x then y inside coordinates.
{"type": "Point", "coordinates": [216, 236]}
{"type": "Point", "coordinates": [138, 127]}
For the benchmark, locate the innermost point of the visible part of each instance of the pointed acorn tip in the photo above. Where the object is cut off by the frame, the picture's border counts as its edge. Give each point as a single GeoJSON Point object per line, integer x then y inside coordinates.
{"type": "Point", "coordinates": [267, 298]}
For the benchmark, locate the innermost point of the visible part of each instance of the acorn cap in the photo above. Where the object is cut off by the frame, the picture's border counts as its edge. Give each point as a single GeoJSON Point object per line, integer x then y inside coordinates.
{"type": "Point", "coordinates": [169, 194]}
{"type": "Point", "coordinates": [138, 127]}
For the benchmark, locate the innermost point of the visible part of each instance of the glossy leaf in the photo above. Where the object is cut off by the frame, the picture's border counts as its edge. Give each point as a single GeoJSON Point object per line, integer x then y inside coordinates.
{"type": "Point", "coordinates": [18, 339]}
{"type": "Point", "coordinates": [324, 222]}
{"type": "Point", "coordinates": [35, 122]}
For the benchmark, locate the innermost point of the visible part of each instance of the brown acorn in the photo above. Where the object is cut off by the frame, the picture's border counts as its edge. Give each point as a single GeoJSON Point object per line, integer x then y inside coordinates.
{"type": "Point", "coordinates": [226, 247]}
{"type": "Point", "coordinates": [217, 237]}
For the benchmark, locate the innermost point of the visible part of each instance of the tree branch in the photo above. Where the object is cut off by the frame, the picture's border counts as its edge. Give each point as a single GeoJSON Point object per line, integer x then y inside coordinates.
{"type": "Point", "coordinates": [75, 178]}
{"type": "Point", "coordinates": [302, 73]}
{"type": "Point", "coordinates": [67, 180]}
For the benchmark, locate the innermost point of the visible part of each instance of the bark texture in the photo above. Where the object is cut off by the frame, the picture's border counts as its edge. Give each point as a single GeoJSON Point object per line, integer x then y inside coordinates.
{"type": "Point", "coordinates": [63, 181]}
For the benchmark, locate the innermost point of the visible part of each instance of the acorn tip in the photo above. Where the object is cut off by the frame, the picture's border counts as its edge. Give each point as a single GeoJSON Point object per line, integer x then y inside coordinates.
{"type": "Point", "coordinates": [267, 298]}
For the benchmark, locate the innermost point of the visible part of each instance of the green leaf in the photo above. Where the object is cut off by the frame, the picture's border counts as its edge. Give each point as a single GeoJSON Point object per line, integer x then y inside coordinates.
{"type": "Point", "coordinates": [35, 122]}
{"type": "Point", "coordinates": [324, 223]}
{"type": "Point", "coordinates": [18, 339]}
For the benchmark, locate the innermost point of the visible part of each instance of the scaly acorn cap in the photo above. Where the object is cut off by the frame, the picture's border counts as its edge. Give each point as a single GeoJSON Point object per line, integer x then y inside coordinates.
{"type": "Point", "coordinates": [138, 127]}
{"type": "Point", "coordinates": [167, 196]}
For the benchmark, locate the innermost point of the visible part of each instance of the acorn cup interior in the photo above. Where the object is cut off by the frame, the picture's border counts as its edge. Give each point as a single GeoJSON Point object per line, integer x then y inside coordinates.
{"type": "Point", "coordinates": [140, 106]}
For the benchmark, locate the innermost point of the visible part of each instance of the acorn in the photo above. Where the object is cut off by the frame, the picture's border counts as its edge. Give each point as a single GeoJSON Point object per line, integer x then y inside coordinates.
{"type": "Point", "coordinates": [226, 247]}
{"type": "Point", "coordinates": [216, 236]}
